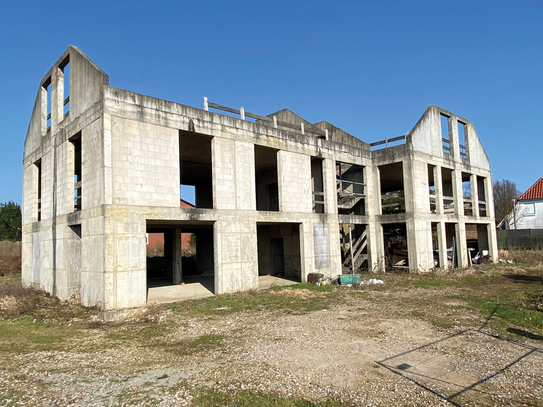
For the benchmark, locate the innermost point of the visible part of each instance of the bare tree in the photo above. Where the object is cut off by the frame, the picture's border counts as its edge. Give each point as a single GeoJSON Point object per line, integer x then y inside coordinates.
{"type": "Point", "coordinates": [505, 193]}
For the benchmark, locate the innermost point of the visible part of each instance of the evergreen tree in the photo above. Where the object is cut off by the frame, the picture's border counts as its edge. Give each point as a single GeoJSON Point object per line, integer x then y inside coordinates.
{"type": "Point", "coordinates": [10, 221]}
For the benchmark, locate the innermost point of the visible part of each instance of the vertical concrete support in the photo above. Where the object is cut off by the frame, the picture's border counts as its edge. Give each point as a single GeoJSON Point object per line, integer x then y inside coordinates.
{"type": "Point", "coordinates": [409, 187]}
{"type": "Point", "coordinates": [377, 190]}
{"type": "Point", "coordinates": [489, 197]}
{"type": "Point", "coordinates": [474, 195]}
{"type": "Point", "coordinates": [455, 144]}
{"type": "Point", "coordinates": [125, 273]}
{"type": "Point", "coordinates": [438, 182]}
{"type": "Point", "coordinates": [461, 244]}
{"type": "Point", "coordinates": [224, 177]}
{"type": "Point", "coordinates": [330, 194]}
{"type": "Point", "coordinates": [236, 255]}
{"type": "Point", "coordinates": [294, 176]}
{"type": "Point", "coordinates": [57, 99]}
{"type": "Point", "coordinates": [458, 192]}
{"type": "Point", "coordinates": [177, 266]}
{"type": "Point", "coordinates": [307, 251]}
{"type": "Point", "coordinates": [419, 177]}
{"type": "Point", "coordinates": [442, 245]}
{"type": "Point", "coordinates": [492, 242]}
{"type": "Point", "coordinates": [421, 256]}
{"type": "Point", "coordinates": [245, 176]}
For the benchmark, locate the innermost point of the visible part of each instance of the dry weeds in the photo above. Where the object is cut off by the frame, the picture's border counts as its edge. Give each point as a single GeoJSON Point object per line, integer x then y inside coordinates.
{"type": "Point", "coordinates": [10, 257]}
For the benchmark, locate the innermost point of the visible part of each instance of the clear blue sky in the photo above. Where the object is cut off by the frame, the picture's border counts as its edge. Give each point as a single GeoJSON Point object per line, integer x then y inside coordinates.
{"type": "Point", "coordinates": [370, 68]}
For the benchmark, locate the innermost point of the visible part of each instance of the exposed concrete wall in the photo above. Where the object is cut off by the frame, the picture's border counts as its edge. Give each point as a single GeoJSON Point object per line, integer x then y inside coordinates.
{"type": "Point", "coordinates": [294, 173]}
{"type": "Point", "coordinates": [131, 176]}
{"type": "Point", "coordinates": [145, 164]}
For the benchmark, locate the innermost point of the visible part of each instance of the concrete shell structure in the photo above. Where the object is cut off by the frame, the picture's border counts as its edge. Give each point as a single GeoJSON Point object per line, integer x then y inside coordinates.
{"type": "Point", "coordinates": [277, 195]}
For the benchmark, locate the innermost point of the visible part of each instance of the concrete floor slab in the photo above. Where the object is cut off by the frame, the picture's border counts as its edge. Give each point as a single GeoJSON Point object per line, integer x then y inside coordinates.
{"type": "Point", "coordinates": [201, 287]}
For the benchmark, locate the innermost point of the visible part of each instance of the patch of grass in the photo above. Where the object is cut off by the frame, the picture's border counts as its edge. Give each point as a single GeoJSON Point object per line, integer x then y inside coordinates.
{"type": "Point", "coordinates": [206, 342]}
{"type": "Point", "coordinates": [24, 335]}
{"type": "Point", "coordinates": [511, 308]}
{"type": "Point", "coordinates": [442, 323]}
{"type": "Point", "coordinates": [418, 314]}
{"type": "Point", "coordinates": [297, 299]}
{"type": "Point", "coordinates": [435, 281]}
{"type": "Point", "coordinates": [248, 399]}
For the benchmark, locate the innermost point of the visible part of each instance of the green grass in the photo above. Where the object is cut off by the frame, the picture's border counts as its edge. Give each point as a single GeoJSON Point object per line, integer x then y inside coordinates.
{"type": "Point", "coordinates": [436, 282]}
{"type": "Point", "coordinates": [249, 399]}
{"type": "Point", "coordinates": [268, 300]}
{"type": "Point", "coordinates": [26, 334]}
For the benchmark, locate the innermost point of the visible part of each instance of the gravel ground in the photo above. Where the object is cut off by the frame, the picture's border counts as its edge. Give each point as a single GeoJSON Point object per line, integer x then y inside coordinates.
{"type": "Point", "coordinates": [360, 352]}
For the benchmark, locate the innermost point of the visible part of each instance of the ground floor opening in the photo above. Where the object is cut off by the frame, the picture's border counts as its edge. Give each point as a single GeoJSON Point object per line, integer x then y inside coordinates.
{"type": "Point", "coordinates": [180, 260]}
{"type": "Point", "coordinates": [354, 247]}
{"type": "Point", "coordinates": [396, 250]}
{"type": "Point", "coordinates": [279, 250]}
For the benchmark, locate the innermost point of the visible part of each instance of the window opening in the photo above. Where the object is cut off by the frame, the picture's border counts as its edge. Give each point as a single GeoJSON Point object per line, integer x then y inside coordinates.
{"type": "Point", "coordinates": [432, 188]}
{"type": "Point", "coordinates": [47, 90]}
{"type": "Point", "coordinates": [462, 140]}
{"type": "Point", "coordinates": [39, 175]}
{"type": "Point", "coordinates": [392, 188]}
{"type": "Point", "coordinates": [76, 145]}
{"type": "Point", "coordinates": [317, 185]}
{"type": "Point", "coordinates": [481, 196]}
{"type": "Point", "coordinates": [196, 180]}
{"type": "Point", "coordinates": [279, 252]}
{"type": "Point", "coordinates": [350, 189]}
{"type": "Point", "coordinates": [467, 195]}
{"type": "Point", "coordinates": [448, 194]}
{"type": "Point", "coordinates": [445, 134]}
{"type": "Point", "coordinates": [267, 187]}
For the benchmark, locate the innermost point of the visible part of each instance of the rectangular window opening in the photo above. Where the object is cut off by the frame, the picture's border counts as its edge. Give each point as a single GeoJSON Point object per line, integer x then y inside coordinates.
{"type": "Point", "coordinates": [445, 134]}
{"type": "Point", "coordinates": [447, 190]}
{"type": "Point", "coordinates": [350, 186]}
{"type": "Point", "coordinates": [77, 168]}
{"type": "Point", "coordinates": [481, 196]}
{"type": "Point", "coordinates": [466, 194]}
{"type": "Point", "coordinates": [317, 184]}
{"type": "Point", "coordinates": [267, 186]}
{"type": "Point", "coordinates": [392, 188]}
{"type": "Point", "coordinates": [462, 140]}
{"type": "Point", "coordinates": [196, 180]}
{"type": "Point", "coordinates": [39, 183]}
{"type": "Point", "coordinates": [435, 244]}
{"type": "Point", "coordinates": [47, 115]}
{"type": "Point", "coordinates": [65, 68]}
{"type": "Point", "coordinates": [432, 189]}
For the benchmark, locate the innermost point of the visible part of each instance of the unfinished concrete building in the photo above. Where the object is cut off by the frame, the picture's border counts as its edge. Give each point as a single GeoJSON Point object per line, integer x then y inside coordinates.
{"type": "Point", "coordinates": [274, 195]}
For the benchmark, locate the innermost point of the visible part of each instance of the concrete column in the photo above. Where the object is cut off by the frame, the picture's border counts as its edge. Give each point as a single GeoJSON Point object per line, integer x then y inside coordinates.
{"type": "Point", "coordinates": [57, 99]}
{"type": "Point", "coordinates": [422, 252]}
{"type": "Point", "coordinates": [442, 244]}
{"type": "Point", "coordinates": [455, 145]}
{"type": "Point", "coordinates": [376, 197]}
{"type": "Point", "coordinates": [474, 195]}
{"type": "Point", "coordinates": [409, 186]}
{"type": "Point", "coordinates": [177, 264]}
{"type": "Point", "coordinates": [329, 179]}
{"type": "Point", "coordinates": [492, 242]}
{"type": "Point", "coordinates": [438, 183]}
{"type": "Point", "coordinates": [376, 247]}
{"type": "Point", "coordinates": [461, 244]}
{"type": "Point", "coordinates": [489, 198]}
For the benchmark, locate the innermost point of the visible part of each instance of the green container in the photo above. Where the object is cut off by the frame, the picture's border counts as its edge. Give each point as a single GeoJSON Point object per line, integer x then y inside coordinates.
{"type": "Point", "coordinates": [349, 279]}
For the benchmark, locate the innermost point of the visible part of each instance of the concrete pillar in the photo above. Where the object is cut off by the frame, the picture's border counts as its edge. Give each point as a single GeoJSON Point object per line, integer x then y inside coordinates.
{"type": "Point", "coordinates": [57, 99]}
{"type": "Point", "coordinates": [438, 183]}
{"type": "Point", "coordinates": [489, 198]}
{"type": "Point", "coordinates": [492, 242]}
{"type": "Point", "coordinates": [377, 191]}
{"type": "Point", "coordinates": [474, 195]}
{"type": "Point", "coordinates": [177, 264]}
{"type": "Point", "coordinates": [442, 244]}
{"type": "Point", "coordinates": [461, 244]}
{"type": "Point", "coordinates": [422, 252]}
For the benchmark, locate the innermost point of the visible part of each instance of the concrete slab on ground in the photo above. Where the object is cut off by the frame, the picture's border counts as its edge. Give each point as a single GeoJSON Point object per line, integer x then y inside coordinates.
{"type": "Point", "coordinates": [201, 287]}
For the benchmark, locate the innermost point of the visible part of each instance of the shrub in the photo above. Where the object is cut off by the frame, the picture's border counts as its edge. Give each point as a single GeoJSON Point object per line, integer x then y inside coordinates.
{"type": "Point", "coordinates": [10, 257]}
